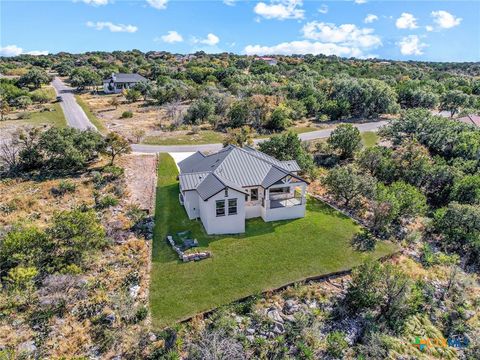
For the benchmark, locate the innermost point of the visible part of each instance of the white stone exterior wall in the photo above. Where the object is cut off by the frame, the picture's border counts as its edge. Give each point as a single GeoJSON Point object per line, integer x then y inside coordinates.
{"type": "Point", "coordinates": [228, 224]}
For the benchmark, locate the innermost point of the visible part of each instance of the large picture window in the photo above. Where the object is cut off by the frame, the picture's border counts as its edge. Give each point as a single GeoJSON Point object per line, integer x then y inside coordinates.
{"type": "Point", "coordinates": [220, 207]}
{"type": "Point", "coordinates": [253, 194]}
{"type": "Point", "coordinates": [232, 206]}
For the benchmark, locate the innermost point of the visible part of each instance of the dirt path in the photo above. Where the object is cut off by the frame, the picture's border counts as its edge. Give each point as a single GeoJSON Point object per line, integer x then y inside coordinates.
{"type": "Point", "coordinates": [141, 174]}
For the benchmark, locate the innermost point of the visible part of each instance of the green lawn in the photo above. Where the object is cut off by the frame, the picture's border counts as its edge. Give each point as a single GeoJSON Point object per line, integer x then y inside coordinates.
{"type": "Point", "coordinates": [203, 137]}
{"type": "Point", "coordinates": [91, 116]}
{"type": "Point", "coordinates": [267, 256]}
{"type": "Point", "coordinates": [207, 137]}
{"type": "Point", "coordinates": [40, 118]}
{"type": "Point", "coordinates": [369, 138]}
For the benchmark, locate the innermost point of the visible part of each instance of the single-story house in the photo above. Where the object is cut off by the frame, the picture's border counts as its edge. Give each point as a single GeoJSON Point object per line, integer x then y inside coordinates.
{"type": "Point", "coordinates": [225, 188]}
{"type": "Point", "coordinates": [269, 60]}
{"type": "Point", "coordinates": [116, 83]}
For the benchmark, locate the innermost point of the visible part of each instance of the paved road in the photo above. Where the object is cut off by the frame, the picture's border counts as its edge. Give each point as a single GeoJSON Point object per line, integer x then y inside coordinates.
{"type": "Point", "coordinates": [74, 114]}
{"type": "Point", "coordinates": [318, 134]}
{"type": "Point", "coordinates": [76, 118]}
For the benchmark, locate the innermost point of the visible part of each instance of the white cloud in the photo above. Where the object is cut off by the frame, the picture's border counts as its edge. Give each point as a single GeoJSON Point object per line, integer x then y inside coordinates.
{"type": "Point", "coordinates": [323, 9]}
{"type": "Point", "coordinates": [370, 18]}
{"type": "Point", "coordinates": [96, 2]}
{"type": "Point", "coordinates": [171, 37]}
{"type": "Point", "coordinates": [37, 52]}
{"type": "Point", "coordinates": [406, 21]}
{"type": "Point", "coordinates": [14, 50]}
{"type": "Point", "coordinates": [359, 2]}
{"type": "Point", "coordinates": [280, 9]}
{"type": "Point", "coordinates": [210, 40]}
{"type": "Point", "coordinates": [445, 20]}
{"type": "Point", "coordinates": [346, 34]}
{"type": "Point", "coordinates": [411, 45]}
{"type": "Point", "coordinates": [429, 28]}
{"type": "Point", "coordinates": [158, 4]}
{"type": "Point", "coordinates": [229, 2]}
{"type": "Point", "coordinates": [323, 38]}
{"type": "Point", "coordinates": [304, 47]}
{"type": "Point", "coordinates": [100, 25]}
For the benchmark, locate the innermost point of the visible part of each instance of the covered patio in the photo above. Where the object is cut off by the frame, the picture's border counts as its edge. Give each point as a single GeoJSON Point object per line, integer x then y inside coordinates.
{"type": "Point", "coordinates": [285, 193]}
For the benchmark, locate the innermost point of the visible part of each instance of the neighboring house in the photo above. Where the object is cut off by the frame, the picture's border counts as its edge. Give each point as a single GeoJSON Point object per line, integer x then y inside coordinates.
{"type": "Point", "coordinates": [470, 119]}
{"type": "Point", "coordinates": [234, 184]}
{"type": "Point", "coordinates": [116, 83]}
{"type": "Point", "coordinates": [268, 60]}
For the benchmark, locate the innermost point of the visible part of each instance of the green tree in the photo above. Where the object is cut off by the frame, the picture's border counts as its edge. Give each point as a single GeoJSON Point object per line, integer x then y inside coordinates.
{"type": "Point", "coordinates": [279, 119]}
{"type": "Point", "coordinates": [24, 246]}
{"type": "Point", "coordinates": [458, 226]}
{"type": "Point", "coordinates": [199, 112]}
{"type": "Point", "coordinates": [346, 139]}
{"type": "Point", "coordinates": [74, 234]}
{"type": "Point", "coordinates": [145, 88]}
{"type": "Point", "coordinates": [83, 77]}
{"type": "Point", "coordinates": [116, 145]}
{"type": "Point", "coordinates": [288, 146]}
{"type": "Point", "coordinates": [21, 278]}
{"type": "Point", "coordinates": [366, 97]}
{"type": "Point", "coordinates": [396, 202]}
{"type": "Point", "coordinates": [466, 190]}
{"type": "Point", "coordinates": [68, 149]}
{"type": "Point", "coordinates": [23, 102]}
{"type": "Point", "coordinates": [347, 183]}
{"type": "Point", "coordinates": [239, 113]}
{"type": "Point", "coordinates": [34, 78]}
{"type": "Point", "coordinates": [132, 95]}
{"type": "Point", "coordinates": [239, 137]}
{"type": "Point", "coordinates": [384, 290]}
{"type": "Point", "coordinates": [453, 101]}
{"type": "Point", "coordinates": [378, 161]}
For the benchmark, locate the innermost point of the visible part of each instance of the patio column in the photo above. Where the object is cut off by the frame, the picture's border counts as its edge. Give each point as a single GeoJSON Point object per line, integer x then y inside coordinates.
{"type": "Point", "coordinates": [304, 188]}
{"type": "Point", "coordinates": [267, 198]}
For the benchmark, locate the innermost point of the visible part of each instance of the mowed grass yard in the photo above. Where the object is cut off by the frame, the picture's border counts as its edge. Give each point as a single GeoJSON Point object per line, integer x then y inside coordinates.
{"type": "Point", "coordinates": [39, 118]}
{"type": "Point", "coordinates": [267, 256]}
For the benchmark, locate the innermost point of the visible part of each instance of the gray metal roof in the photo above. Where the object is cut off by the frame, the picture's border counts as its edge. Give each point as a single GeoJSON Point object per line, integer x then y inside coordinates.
{"type": "Point", "coordinates": [188, 164]}
{"type": "Point", "coordinates": [190, 181]}
{"type": "Point", "coordinates": [232, 167]}
{"type": "Point", "coordinates": [275, 174]}
{"type": "Point", "coordinates": [290, 165]}
{"type": "Point", "coordinates": [213, 185]}
{"type": "Point", "coordinates": [126, 78]}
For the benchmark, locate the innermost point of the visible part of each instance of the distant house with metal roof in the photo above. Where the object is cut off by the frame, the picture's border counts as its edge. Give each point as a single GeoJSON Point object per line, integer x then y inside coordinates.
{"type": "Point", "coordinates": [116, 83]}
{"type": "Point", "coordinates": [269, 60]}
{"type": "Point", "coordinates": [225, 188]}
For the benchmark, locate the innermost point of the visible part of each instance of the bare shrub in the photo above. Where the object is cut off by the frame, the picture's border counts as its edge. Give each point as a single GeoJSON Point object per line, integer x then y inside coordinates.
{"type": "Point", "coordinates": [215, 345]}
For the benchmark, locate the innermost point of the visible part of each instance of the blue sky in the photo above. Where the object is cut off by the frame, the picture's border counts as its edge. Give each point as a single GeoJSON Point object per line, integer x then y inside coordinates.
{"type": "Point", "coordinates": [404, 30]}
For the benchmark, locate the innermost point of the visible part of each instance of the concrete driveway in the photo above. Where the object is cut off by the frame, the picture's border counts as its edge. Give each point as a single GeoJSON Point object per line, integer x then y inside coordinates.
{"type": "Point", "coordinates": [74, 114]}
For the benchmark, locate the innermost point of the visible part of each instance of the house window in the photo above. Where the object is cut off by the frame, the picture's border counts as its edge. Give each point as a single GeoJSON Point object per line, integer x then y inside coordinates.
{"type": "Point", "coordinates": [220, 207]}
{"type": "Point", "coordinates": [232, 206]}
{"type": "Point", "coordinates": [253, 194]}
{"type": "Point", "coordinates": [226, 192]}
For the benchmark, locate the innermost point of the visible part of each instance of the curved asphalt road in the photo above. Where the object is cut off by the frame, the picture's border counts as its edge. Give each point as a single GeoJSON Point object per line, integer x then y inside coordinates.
{"type": "Point", "coordinates": [76, 118]}
{"type": "Point", "coordinates": [74, 114]}
{"type": "Point", "coordinates": [312, 135]}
